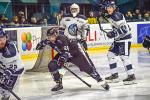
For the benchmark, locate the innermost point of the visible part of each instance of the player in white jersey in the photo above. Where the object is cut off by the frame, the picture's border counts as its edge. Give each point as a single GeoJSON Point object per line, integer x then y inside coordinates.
{"type": "Point", "coordinates": [11, 65]}
{"type": "Point", "coordinates": [75, 25]}
{"type": "Point", "coordinates": [76, 28]}
{"type": "Point", "coordinates": [121, 45]}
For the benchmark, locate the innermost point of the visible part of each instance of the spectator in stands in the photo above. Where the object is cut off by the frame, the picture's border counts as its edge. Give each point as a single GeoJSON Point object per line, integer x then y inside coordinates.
{"type": "Point", "coordinates": [15, 20]}
{"type": "Point", "coordinates": [4, 19]}
{"type": "Point", "coordinates": [20, 15]}
{"type": "Point", "coordinates": [53, 18]}
{"type": "Point", "coordinates": [33, 21]}
{"type": "Point", "coordinates": [23, 20]}
{"type": "Point", "coordinates": [91, 18]}
{"type": "Point", "coordinates": [147, 16]}
{"type": "Point", "coordinates": [59, 16]}
{"type": "Point", "coordinates": [140, 18]}
{"type": "Point", "coordinates": [45, 22]}
{"type": "Point", "coordinates": [129, 16]}
{"type": "Point", "coordinates": [137, 16]}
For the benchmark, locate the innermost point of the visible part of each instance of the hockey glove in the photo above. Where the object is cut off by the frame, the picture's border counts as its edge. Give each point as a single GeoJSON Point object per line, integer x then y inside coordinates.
{"type": "Point", "coordinates": [6, 76]}
{"type": "Point", "coordinates": [9, 77]}
{"type": "Point", "coordinates": [39, 46]}
{"type": "Point", "coordinates": [63, 59]}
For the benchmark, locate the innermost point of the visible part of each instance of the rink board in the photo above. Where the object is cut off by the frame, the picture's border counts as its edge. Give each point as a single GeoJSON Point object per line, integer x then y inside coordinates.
{"type": "Point", "coordinates": [27, 38]}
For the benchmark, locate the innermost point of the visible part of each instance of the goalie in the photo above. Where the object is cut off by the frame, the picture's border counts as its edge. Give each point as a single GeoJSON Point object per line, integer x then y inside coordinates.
{"type": "Point", "coordinates": [11, 65]}
{"type": "Point", "coordinates": [78, 22]}
{"type": "Point", "coordinates": [68, 51]}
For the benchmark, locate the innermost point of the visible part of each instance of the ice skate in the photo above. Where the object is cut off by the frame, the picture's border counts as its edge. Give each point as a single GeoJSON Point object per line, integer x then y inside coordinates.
{"type": "Point", "coordinates": [58, 86]}
{"type": "Point", "coordinates": [112, 79]}
{"type": "Point", "coordinates": [103, 84]}
{"type": "Point", "coordinates": [129, 80]}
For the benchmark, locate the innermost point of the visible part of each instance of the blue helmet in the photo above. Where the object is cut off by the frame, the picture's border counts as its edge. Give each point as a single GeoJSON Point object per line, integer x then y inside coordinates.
{"type": "Point", "coordinates": [110, 4]}
{"type": "Point", "coordinates": [52, 31]}
{"type": "Point", "coordinates": [2, 33]}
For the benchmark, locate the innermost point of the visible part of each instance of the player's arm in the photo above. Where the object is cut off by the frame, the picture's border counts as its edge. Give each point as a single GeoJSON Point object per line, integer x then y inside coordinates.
{"type": "Point", "coordinates": [42, 44]}
{"type": "Point", "coordinates": [121, 27]}
{"type": "Point", "coordinates": [63, 22]}
{"type": "Point", "coordinates": [85, 27]}
{"type": "Point", "coordinates": [64, 51]}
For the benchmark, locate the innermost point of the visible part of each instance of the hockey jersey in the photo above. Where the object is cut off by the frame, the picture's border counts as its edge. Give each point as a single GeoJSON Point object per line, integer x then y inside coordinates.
{"type": "Point", "coordinates": [10, 59]}
{"type": "Point", "coordinates": [62, 45]}
{"type": "Point", "coordinates": [75, 27]}
{"type": "Point", "coordinates": [120, 26]}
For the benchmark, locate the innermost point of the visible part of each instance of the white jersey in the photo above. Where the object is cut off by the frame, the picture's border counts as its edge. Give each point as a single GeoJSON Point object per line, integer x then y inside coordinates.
{"type": "Point", "coordinates": [120, 26]}
{"type": "Point", "coordinates": [10, 58]}
{"type": "Point", "coordinates": [79, 22]}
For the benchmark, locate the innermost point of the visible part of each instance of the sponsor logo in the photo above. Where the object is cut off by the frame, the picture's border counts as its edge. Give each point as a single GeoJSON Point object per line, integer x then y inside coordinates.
{"type": "Point", "coordinates": [142, 31]}
{"type": "Point", "coordinates": [26, 38]}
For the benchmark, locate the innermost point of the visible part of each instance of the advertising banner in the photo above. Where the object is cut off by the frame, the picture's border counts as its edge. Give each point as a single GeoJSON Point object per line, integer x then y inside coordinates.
{"type": "Point", "coordinates": [142, 30]}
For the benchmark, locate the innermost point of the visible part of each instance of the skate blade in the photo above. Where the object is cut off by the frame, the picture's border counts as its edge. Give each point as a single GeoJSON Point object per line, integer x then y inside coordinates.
{"type": "Point", "coordinates": [112, 81]}
{"type": "Point", "coordinates": [129, 82]}
{"type": "Point", "coordinates": [100, 86]}
{"type": "Point", "coordinates": [105, 86]}
{"type": "Point", "coordinates": [57, 92]}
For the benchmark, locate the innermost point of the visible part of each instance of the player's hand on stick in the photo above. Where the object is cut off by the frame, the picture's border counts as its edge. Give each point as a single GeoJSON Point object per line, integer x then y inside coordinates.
{"type": "Point", "coordinates": [61, 61]}
{"type": "Point", "coordinates": [39, 46]}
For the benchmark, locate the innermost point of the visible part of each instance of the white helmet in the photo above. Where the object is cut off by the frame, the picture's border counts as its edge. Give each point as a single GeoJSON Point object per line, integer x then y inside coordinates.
{"type": "Point", "coordinates": [76, 9]}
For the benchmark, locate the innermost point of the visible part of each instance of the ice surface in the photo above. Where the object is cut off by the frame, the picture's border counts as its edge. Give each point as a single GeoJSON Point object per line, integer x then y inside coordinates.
{"type": "Point", "coordinates": [37, 86]}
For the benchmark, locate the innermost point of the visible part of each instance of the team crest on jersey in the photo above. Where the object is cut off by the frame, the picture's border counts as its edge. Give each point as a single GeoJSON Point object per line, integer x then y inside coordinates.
{"type": "Point", "coordinates": [72, 29]}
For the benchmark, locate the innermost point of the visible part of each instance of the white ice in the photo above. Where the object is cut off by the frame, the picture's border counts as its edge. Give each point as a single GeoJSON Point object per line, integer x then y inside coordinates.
{"type": "Point", "coordinates": [37, 86]}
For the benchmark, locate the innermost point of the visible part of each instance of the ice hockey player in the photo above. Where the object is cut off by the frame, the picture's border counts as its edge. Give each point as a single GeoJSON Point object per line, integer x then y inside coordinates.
{"type": "Point", "coordinates": [68, 51]}
{"type": "Point", "coordinates": [121, 45]}
{"type": "Point", "coordinates": [76, 27]}
{"type": "Point", "coordinates": [11, 65]}
{"type": "Point", "coordinates": [146, 42]}
{"type": "Point", "coordinates": [80, 22]}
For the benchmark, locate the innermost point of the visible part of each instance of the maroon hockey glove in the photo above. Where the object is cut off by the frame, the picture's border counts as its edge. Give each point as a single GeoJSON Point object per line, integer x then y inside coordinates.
{"type": "Point", "coordinates": [61, 61]}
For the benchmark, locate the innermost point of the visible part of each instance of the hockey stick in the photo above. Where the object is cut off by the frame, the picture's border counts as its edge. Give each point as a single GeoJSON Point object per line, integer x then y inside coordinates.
{"type": "Point", "coordinates": [100, 15]}
{"type": "Point", "coordinates": [4, 87]}
{"type": "Point", "coordinates": [77, 76]}
{"type": "Point", "coordinates": [86, 54]}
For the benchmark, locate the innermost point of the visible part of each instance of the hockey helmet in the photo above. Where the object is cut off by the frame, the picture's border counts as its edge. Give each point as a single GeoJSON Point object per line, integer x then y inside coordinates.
{"type": "Point", "coordinates": [74, 9]}
{"type": "Point", "coordinates": [52, 31]}
{"type": "Point", "coordinates": [110, 4]}
{"type": "Point", "coordinates": [2, 33]}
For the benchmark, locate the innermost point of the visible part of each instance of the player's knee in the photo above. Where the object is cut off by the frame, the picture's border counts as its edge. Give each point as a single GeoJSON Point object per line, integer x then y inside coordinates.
{"type": "Point", "coordinates": [52, 66]}
{"type": "Point", "coordinates": [125, 60]}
